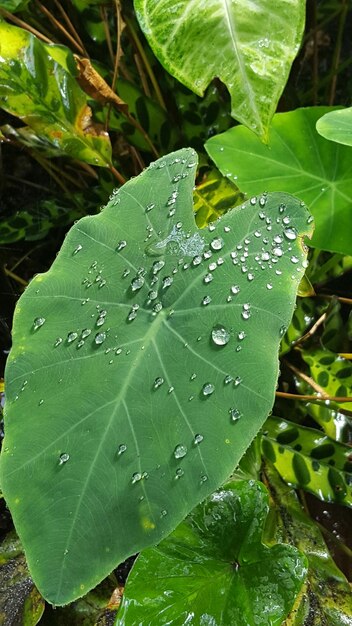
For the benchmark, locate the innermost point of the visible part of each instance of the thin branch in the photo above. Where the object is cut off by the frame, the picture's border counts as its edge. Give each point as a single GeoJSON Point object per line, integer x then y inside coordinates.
{"type": "Point", "coordinates": [60, 27]}
{"type": "Point", "coordinates": [308, 380]}
{"type": "Point", "coordinates": [18, 22]}
{"type": "Point", "coordinates": [312, 330]}
{"type": "Point", "coordinates": [309, 398]}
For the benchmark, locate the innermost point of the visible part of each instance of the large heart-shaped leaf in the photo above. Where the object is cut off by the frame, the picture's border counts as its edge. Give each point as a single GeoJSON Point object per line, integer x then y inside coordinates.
{"type": "Point", "coordinates": [298, 160]}
{"type": "Point", "coordinates": [250, 46]}
{"type": "Point", "coordinates": [144, 362]}
{"type": "Point", "coordinates": [215, 570]}
{"type": "Point", "coordinates": [37, 86]}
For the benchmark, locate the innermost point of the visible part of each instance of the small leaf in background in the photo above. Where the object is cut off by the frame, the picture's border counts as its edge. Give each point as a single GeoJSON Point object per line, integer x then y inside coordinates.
{"type": "Point", "coordinates": [306, 458]}
{"type": "Point", "coordinates": [248, 47]}
{"type": "Point", "coordinates": [36, 87]}
{"type": "Point", "coordinates": [213, 197]}
{"type": "Point", "coordinates": [326, 599]}
{"type": "Point", "coordinates": [132, 360]}
{"type": "Point", "coordinates": [299, 161]}
{"type": "Point", "coordinates": [333, 374]}
{"type": "Point", "coordinates": [20, 601]}
{"type": "Point", "coordinates": [337, 126]}
{"type": "Point", "coordinates": [214, 568]}
{"type": "Point", "coordinates": [333, 336]}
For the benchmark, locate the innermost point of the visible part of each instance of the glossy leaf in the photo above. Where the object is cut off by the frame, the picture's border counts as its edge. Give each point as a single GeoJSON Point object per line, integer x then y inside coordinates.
{"type": "Point", "coordinates": [299, 161]}
{"type": "Point", "coordinates": [133, 362]}
{"type": "Point", "coordinates": [20, 601]}
{"type": "Point", "coordinates": [337, 126]}
{"type": "Point", "coordinates": [37, 86]}
{"type": "Point", "coordinates": [306, 458]}
{"type": "Point", "coordinates": [326, 598]}
{"type": "Point", "coordinates": [249, 47]}
{"type": "Point", "coordinates": [214, 569]}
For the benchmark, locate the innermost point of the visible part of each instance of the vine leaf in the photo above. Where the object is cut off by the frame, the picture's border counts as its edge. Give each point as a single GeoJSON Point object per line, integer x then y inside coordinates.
{"type": "Point", "coordinates": [143, 364]}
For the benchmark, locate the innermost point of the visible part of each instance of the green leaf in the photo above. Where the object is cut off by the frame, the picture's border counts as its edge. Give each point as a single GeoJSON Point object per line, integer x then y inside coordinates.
{"type": "Point", "coordinates": [37, 87]}
{"type": "Point", "coordinates": [306, 458]}
{"type": "Point", "coordinates": [337, 126]}
{"type": "Point", "coordinates": [20, 601]}
{"type": "Point", "coordinates": [302, 318]}
{"type": "Point", "coordinates": [333, 374]}
{"type": "Point", "coordinates": [213, 197]}
{"type": "Point", "coordinates": [326, 599]}
{"type": "Point", "coordinates": [298, 161]}
{"type": "Point", "coordinates": [214, 569]}
{"type": "Point", "coordinates": [133, 362]}
{"type": "Point", "coordinates": [13, 5]}
{"type": "Point", "coordinates": [248, 47]}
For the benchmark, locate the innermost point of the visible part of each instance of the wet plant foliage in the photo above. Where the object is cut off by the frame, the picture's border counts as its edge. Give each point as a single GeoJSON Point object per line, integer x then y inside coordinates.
{"type": "Point", "coordinates": [175, 203]}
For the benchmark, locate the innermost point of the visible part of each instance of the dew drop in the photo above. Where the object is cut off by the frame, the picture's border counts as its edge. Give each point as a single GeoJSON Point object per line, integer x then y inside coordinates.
{"type": "Point", "coordinates": [283, 330]}
{"type": "Point", "coordinates": [77, 249]}
{"type": "Point", "coordinates": [241, 335]}
{"type": "Point", "coordinates": [71, 337]}
{"type": "Point", "coordinates": [136, 477]}
{"type": "Point", "coordinates": [294, 259]}
{"type": "Point", "coordinates": [180, 451]}
{"type": "Point", "coordinates": [100, 338]}
{"type": "Point", "coordinates": [137, 283]}
{"type": "Point", "coordinates": [253, 200]}
{"type": "Point", "coordinates": [80, 344]}
{"type": "Point", "coordinates": [235, 289]}
{"type": "Point", "coordinates": [217, 243]}
{"type": "Point", "coordinates": [158, 382]}
{"type": "Point", "coordinates": [166, 282]}
{"type": "Point", "coordinates": [269, 286]}
{"type": "Point", "coordinates": [235, 415]}
{"type": "Point", "coordinates": [220, 335]}
{"type": "Point", "coordinates": [196, 260]}
{"type": "Point", "coordinates": [121, 245]}
{"type": "Point", "coordinates": [57, 342]}
{"type": "Point", "coordinates": [208, 389]}
{"type": "Point", "coordinates": [38, 322]}
{"type": "Point", "coordinates": [277, 251]}
{"type": "Point", "coordinates": [193, 376]}
{"type": "Point", "coordinates": [157, 266]}
{"type": "Point", "coordinates": [228, 379]}
{"type": "Point", "coordinates": [85, 333]}
{"type": "Point", "coordinates": [237, 381]}
{"type": "Point", "coordinates": [149, 207]}
{"type": "Point", "coordinates": [198, 439]}
{"type": "Point", "coordinates": [290, 234]}
{"type": "Point", "coordinates": [179, 473]}
{"type": "Point", "coordinates": [63, 458]}
{"type": "Point", "coordinates": [163, 513]}
{"type": "Point", "coordinates": [208, 278]}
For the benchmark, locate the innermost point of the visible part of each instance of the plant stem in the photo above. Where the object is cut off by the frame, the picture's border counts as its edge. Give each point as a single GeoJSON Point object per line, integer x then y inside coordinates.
{"type": "Point", "coordinates": [146, 64]}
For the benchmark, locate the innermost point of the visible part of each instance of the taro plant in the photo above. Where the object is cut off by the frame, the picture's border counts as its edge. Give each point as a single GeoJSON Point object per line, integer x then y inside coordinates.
{"type": "Point", "coordinates": [185, 357]}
